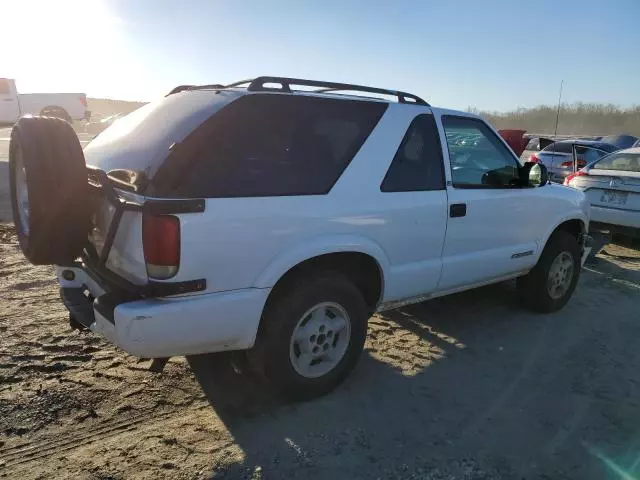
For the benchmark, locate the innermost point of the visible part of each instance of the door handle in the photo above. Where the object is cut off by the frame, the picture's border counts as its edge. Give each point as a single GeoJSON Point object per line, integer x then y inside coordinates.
{"type": "Point", "coordinates": [457, 210]}
{"type": "Point", "coordinates": [8, 99]}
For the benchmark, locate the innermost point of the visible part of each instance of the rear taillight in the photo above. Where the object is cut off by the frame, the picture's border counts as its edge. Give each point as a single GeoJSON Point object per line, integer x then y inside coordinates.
{"type": "Point", "coordinates": [83, 100]}
{"type": "Point", "coordinates": [571, 176]}
{"type": "Point", "coordinates": [161, 243]}
{"type": "Point", "coordinates": [570, 163]}
{"type": "Point", "coordinates": [533, 158]}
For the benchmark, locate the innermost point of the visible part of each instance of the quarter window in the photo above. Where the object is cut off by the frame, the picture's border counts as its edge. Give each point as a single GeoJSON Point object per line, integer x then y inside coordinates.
{"type": "Point", "coordinates": [417, 165]}
{"type": "Point", "coordinates": [274, 145]}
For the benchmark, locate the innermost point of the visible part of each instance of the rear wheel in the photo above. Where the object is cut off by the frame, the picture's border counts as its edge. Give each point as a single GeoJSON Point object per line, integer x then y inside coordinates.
{"type": "Point", "coordinates": [550, 284]}
{"type": "Point", "coordinates": [311, 336]}
{"type": "Point", "coordinates": [49, 192]}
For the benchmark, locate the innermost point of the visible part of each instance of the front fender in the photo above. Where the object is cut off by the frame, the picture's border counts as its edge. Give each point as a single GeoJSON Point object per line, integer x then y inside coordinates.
{"type": "Point", "coordinates": [285, 261]}
{"type": "Point", "coordinates": [576, 208]}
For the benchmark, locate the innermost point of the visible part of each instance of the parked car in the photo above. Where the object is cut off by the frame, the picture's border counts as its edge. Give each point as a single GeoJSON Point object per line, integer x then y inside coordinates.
{"type": "Point", "coordinates": [67, 106]}
{"type": "Point", "coordinates": [534, 145]}
{"type": "Point", "coordinates": [620, 141]}
{"type": "Point", "coordinates": [612, 186]}
{"type": "Point", "coordinates": [262, 218]}
{"type": "Point", "coordinates": [558, 157]}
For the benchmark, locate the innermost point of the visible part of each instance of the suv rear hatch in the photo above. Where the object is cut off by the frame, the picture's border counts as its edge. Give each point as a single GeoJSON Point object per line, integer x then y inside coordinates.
{"type": "Point", "coordinates": [121, 161]}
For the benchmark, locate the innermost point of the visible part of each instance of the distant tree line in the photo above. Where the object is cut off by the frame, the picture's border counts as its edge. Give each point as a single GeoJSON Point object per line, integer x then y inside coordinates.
{"type": "Point", "coordinates": [575, 119]}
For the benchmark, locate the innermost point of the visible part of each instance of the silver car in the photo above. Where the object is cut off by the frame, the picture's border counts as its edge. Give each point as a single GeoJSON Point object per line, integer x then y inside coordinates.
{"type": "Point", "coordinates": [558, 157]}
{"type": "Point", "coordinates": [612, 186]}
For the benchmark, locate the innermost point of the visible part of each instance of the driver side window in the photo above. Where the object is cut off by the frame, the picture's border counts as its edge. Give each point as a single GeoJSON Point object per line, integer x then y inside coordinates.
{"type": "Point", "coordinates": [478, 158]}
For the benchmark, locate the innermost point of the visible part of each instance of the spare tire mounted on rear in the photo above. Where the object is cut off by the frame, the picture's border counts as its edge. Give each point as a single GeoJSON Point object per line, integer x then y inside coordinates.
{"type": "Point", "coordinates": [49, 190]}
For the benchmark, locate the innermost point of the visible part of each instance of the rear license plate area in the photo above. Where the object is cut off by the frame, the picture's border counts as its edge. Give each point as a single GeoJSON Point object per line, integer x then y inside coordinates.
{"type": "Point", "coordinates": [613, 197]}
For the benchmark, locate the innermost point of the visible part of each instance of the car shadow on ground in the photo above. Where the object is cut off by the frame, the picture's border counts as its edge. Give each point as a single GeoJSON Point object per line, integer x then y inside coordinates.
{"type": "Point", "coordinates": [461, 401]}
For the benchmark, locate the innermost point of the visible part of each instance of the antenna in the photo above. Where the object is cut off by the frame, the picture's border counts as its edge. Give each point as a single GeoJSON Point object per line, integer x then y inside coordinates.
{"type": "Point", "coordinates": [555, 133]}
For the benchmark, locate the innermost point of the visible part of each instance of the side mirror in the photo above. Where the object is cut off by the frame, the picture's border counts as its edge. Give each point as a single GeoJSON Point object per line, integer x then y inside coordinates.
{"type": "Point", "coordinates": [535, 174]}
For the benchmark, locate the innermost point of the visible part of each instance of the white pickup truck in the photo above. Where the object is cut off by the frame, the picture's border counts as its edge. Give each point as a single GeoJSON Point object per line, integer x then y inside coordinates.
{"type": "Point", "coordinates": [13, 105]}
{"type": "Point", "coordinates": [266, 218]}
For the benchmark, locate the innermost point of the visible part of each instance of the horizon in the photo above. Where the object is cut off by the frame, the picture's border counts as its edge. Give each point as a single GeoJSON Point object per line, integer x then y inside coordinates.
{"type": "Point", "coordinates": [495, 58]}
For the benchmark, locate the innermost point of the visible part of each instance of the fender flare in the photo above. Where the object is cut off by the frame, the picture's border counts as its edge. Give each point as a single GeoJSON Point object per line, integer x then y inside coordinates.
{"type": "Point", "coordinates": [285, 261]}
{"type": "Point", "coordinates": [584, 221]}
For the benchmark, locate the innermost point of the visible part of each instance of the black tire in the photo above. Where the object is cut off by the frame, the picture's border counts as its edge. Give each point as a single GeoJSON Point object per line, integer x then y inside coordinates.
{"type": "Point", "coordinates": [532, 288]}
{"type": "Point", "coordinates": [56, 182]}
{"type": "Point", "coordinates": [271, 353]}
{"type": "Point", "coordinates": [56, 112]}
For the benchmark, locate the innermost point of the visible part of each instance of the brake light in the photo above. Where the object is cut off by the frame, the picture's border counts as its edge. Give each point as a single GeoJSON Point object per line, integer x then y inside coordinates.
{"type": "Point", "coordinates": [571, 176]}
{"type": "Point", "coordinates": [533, 158]}
{"type": "Point", "coordinates": [570, 163]}
{"type": "Point", "coordinates": [161, 244]}
{"type": "Point", "coordinates": [83, 100]}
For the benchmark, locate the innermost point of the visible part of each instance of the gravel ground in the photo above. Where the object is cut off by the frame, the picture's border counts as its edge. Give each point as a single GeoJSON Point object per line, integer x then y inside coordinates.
{"type": "Point", "coordinates": [463, 387]}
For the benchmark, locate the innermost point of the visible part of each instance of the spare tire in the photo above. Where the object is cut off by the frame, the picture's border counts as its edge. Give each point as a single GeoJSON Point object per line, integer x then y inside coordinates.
{"type": "Point", "coordinates": [49, 190]}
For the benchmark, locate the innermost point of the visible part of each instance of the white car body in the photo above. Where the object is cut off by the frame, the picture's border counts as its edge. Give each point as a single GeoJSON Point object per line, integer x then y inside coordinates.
{"type": "Point", "coordinates": [614, 194]}
{"type": "Point", "coordinates": [242, 247]}
{"type": "Point", "coordinates": [14, 105]}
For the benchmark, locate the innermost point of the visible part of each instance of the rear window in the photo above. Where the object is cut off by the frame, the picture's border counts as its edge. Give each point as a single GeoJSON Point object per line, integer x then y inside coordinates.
{"type": "Point", "coordinates": [624, 162]}
{"type": "Point", "coordinates": [273, 145]}
{"type": "Point", "coordinates": [558, 147]}
{"type": "Point", "coordinates": [533, 145]}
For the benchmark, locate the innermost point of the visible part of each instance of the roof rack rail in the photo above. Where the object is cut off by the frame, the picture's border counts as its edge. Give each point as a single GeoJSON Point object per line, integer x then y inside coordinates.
{"type": "Point", "coordinates": [259, 85]}
{"type": "Point", "coordinates": [213, 86]}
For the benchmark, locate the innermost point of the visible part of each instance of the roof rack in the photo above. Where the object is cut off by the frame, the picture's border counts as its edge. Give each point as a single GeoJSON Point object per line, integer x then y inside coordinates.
{"type": "Point", "coordinates": [283, 84]}
{"type": "Point", "coordinates": [259, 85]}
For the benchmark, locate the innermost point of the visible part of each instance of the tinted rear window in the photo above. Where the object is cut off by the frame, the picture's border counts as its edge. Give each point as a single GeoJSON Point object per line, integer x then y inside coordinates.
{"type": "Point", "coordinates": [272, 145]}
{"type": "Point", "coordinates": [624, 162]}
{"type": "Point", "coordinates": [558, 147]}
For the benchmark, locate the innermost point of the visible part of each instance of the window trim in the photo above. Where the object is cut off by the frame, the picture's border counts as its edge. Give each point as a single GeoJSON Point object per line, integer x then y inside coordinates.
{"type": "Point", "coordinates": [443, 179]}
{"type": "Point", "coordinates": [465, 186]}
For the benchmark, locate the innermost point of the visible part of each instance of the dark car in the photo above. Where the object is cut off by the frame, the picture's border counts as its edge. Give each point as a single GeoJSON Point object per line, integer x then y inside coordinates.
{"type": "Point", "coordinates": [620, 141]}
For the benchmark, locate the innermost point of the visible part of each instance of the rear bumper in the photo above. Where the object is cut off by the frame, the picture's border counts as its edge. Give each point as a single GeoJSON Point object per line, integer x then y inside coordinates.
{"type": "Point", "coordinates": [615, 216]}
{"type": "Point", "coordinates": [169, 326]}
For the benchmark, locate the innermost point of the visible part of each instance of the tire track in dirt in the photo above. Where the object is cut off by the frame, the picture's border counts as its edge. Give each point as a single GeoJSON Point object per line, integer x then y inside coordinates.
{"type": "Point", "coordinates": [31, 451]}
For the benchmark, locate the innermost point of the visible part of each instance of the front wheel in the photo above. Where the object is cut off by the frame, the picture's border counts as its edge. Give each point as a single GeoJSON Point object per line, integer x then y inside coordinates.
{"type": "Point", "coordinates": [550, 284]}
{"type": "Point", "coordinates": [312, 335]}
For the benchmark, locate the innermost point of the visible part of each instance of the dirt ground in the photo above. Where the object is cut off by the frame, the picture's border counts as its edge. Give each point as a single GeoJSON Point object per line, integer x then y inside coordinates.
{"type": "Point", "coordinates": [463, 387]}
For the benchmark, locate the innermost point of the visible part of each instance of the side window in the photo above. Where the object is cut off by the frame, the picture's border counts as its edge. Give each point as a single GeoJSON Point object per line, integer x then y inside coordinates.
{"type": "Point", "coordinates": [4, 86]}
{"type": "Point", "coordinates": [417, 165]}
{"type": "Point", "coordinates": [276, 145]}
{"type": "Point", "coordinates": [478, 158]}
{"type": "Point", "coordinates": [559, 147]}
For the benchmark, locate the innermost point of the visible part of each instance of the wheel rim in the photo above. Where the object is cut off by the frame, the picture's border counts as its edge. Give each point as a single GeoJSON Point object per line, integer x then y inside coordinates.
{"type": "Point", "coordinates": [22, 192]}
{"type": "Point", "coordinates": [320, 340]}
{"type": "Point", "coordinates": [560, 275]}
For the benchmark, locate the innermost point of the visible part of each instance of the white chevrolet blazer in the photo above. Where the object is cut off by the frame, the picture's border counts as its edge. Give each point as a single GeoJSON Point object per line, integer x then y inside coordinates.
{"type": "Point", "coordinates": [276, 220]}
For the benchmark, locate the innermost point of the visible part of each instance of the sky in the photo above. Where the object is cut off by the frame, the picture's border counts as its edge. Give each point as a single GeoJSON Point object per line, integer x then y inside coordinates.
{"type": "Point", "coordinates": [494, 55]}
